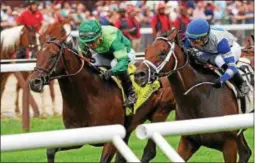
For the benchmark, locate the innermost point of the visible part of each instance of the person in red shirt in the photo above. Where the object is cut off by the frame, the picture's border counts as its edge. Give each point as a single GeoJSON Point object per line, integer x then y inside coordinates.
{"type": "Point", "coordinates": [31, 18]}
{"type": "Point", "coordinates": [182, 21]}
{"type": "Point", "coordinates": [129, 26]}
{"type": "Point", "coordinates": [160, 22]}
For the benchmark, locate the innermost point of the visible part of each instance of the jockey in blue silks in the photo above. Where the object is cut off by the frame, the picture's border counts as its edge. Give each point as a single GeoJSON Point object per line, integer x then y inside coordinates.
{"type": "Point", "coordinates": [219, 47]}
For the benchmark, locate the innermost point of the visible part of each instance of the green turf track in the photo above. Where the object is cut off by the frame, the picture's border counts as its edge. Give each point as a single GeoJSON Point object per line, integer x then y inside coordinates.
{"type": "Point", "coordinates": [92, 154]}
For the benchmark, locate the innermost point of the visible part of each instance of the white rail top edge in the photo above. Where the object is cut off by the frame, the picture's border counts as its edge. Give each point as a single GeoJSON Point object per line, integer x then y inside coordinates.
{"type": "Point", "coordinates": [62, 138]}
{"type": "Point", "coordinates": [196, 126]}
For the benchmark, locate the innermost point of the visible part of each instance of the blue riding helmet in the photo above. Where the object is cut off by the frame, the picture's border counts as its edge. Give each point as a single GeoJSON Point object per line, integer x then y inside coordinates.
{"type": "Point", "coordinates": [198, 28]}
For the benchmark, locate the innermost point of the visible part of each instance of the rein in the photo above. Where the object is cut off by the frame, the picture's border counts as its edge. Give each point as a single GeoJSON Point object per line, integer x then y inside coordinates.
{"type": "Point", "coordinates": [157, 69]}
{"type": "Point", "coordinates": [53, 67]}
{"type": "Point", "coordinates": [171, 52]}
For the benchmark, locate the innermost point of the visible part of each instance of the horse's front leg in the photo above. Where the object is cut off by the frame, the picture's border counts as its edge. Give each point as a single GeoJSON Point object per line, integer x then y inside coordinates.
{"type": "Point", "coordinates": [130, 125]}
{"type": "Point", "coordinates": [160, 115]}
{"type": "Point", "coordinates": [17, 111]}
{"type": "Point", "coordinates": [108, 152]}
{"type": "Point", "coordinates": [166, 105]}
{"type": "Point", "coordinates": [52, 95]}
{"type": "Point", "coordinates": [52, 152]}
{"type": "Point", "coordinates": [187, 148]}
{"type": "Point", "coordinates": [44, 112]}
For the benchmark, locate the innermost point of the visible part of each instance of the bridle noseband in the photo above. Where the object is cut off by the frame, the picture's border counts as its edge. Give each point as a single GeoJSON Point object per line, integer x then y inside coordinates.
{"type": "Point", "coordinates": [157, 70]}
{"type": "Point", "coordinates": [154, 71]}
{"type": "Point", "coordinates": [47, 78]}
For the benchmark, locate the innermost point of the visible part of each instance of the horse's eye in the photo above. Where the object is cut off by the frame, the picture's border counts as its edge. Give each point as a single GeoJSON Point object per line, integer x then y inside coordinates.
{"type": "Point", "coordinates": [53, 56]}
{"type": "Point", "coordinates": [163, 52]}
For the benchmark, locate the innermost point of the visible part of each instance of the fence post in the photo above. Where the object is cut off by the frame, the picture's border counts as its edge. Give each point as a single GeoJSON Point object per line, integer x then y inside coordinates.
{"type": "Point", "coordinates": [25, 109]}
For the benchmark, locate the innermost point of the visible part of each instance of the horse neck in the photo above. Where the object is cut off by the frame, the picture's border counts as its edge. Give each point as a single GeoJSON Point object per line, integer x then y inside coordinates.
{"type": "Point", "coordinates": [83, 86]}
{"type": "Point", "coordinates": [184, 79]}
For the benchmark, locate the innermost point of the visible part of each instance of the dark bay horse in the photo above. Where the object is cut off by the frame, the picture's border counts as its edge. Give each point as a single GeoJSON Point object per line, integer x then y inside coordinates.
{"type": "Point", "coordinates": [84, 97]}
{"type": "Point", "coordinates": [167, 57]}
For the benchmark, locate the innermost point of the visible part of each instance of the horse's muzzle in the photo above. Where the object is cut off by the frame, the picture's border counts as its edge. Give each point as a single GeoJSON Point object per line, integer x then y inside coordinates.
{"type": "Point", "coordinates": [141, 77]}
{"type": "Point", "coordinates": [36, 85]}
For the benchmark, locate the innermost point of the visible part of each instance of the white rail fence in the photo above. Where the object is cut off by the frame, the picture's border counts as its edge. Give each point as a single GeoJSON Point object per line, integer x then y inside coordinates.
{"type": "Point", "coordinates": [115, 133]}
{"type": "Point", "coordinates": [70, 137]}
{"type": "Point", "coordinates": [14, 65]}
{"type": "Point", "coordinates": [156, 131]}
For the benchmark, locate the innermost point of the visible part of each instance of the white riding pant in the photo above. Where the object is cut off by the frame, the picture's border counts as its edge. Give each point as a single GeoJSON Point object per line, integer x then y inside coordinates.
{"type": "Point", "coordinates": [103, 61]}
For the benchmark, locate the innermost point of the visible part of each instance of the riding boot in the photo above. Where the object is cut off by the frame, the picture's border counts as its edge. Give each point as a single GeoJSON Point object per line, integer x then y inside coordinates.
{"type": "Point", "coordinates": [21, 53]}
{"type": "Point", "coordinates": [241, 84]}
{"type": "Point", "coordinates": [128, 90]}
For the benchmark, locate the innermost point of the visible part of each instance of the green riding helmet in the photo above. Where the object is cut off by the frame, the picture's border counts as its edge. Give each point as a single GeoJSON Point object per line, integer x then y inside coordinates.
{"type": "Point", "coordinates": [89, 31]}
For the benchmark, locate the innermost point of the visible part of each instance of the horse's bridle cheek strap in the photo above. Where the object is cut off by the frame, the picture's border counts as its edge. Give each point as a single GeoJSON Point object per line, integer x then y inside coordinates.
{"type": "Point", "coordinates": [157, 69]}
{"type": "Point", "coordinates": [53, 67]}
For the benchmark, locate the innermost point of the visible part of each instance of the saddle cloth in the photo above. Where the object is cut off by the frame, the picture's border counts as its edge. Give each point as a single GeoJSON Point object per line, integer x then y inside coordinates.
{"type": "Point", "coordinates": [142, 93]}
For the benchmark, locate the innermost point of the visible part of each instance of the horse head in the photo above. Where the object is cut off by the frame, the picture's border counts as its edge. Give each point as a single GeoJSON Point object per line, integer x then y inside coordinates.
{"type": "Point", "coordinates": [162, 58]}
{"type": "Point", "coordinates": [54, 61]}
{"type": "Point", "coordinates": [29, 38]}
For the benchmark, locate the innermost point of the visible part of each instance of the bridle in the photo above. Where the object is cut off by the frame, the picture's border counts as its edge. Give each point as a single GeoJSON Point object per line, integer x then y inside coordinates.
{"type": "Point", "coordinates": [47, 78]}
{"type": "Point", "coordinates": [154, 71]}
{"type": "Point", "coordinates": [32, 44]}
{"type": "Point", "coordinates": [171, 52]}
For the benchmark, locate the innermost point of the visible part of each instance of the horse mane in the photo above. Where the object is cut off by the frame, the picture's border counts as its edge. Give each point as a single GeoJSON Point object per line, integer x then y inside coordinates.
{"type": "Point", "coordinates": [196, 63]}
{"type": "Point", "coordinates": [199, 66]}
{"type": "Point", "coordinates": [91, 69]}
{"type": "Point", "coordinates": [10, 38]}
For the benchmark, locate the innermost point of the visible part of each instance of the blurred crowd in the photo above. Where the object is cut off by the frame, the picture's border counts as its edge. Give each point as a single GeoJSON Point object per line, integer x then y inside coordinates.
{"type": "Point", "coordinates": [130, 16]}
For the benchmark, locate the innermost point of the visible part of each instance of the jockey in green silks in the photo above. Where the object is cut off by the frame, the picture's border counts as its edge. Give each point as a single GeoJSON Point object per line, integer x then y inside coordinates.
{"type": "Point", "coordinates": [112, 49]}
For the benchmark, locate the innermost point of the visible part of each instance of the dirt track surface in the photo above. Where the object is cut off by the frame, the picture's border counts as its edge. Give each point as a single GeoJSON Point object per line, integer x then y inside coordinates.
{"type": "Point", "coordinates": [9, 97]}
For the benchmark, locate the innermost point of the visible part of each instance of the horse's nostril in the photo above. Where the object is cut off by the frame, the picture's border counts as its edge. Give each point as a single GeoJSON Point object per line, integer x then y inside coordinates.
{"type": "Point", "coordinates": [142, 74]}
{"type": "Point", "coordinates": [37, 81]}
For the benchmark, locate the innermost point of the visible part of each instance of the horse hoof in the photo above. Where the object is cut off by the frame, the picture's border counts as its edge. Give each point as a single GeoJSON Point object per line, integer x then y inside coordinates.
{"type": "Point", "coordinates": [18, 114]}
{"type": "Point", "coordinates": [55, 114]}
{"type": "Point", "coordinates": [45, 115]}
{"type": "Point", "coordinates": [36, 115]}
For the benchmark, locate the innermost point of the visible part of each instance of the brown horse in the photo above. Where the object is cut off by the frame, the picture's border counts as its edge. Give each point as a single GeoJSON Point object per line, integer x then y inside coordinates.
{"type": "Point", "coordinates": [54, 30]}
{"type": "Point", "coordinates": [48, 31]}
{"type": "Point", "coordinates": [168, 57]}
{"type": "Point", "coordinates": [11, 40]}
{"type": "Point", "coordinates": [84, 97]}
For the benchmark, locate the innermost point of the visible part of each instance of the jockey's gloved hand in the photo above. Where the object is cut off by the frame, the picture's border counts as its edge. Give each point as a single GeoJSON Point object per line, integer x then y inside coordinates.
{"type": "Point", "coordinates": [217, 83]}
{"type": "Point", "coordinates": [107, 75]}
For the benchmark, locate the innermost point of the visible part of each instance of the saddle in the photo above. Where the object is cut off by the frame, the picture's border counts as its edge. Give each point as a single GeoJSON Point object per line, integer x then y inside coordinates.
{"type": "Point", "coordinates": [245, 103]}
{"type": "Point", "coordinates": [142, 93]}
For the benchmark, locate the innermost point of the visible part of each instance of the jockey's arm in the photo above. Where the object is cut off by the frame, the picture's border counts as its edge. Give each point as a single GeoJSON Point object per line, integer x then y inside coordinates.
{"type": "Point", "coordinates": [224, 49]}
{"type": "Point", "coordinates": [187, 43]}
{"type": "Point", "coordinates": [120, 47]}
{"type": "Point", "coordinates": [123, 61]}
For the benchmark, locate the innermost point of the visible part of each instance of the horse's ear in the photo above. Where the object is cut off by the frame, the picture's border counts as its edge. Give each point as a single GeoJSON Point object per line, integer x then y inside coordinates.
{"type": "Point", "coordinates": [173, 34]}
